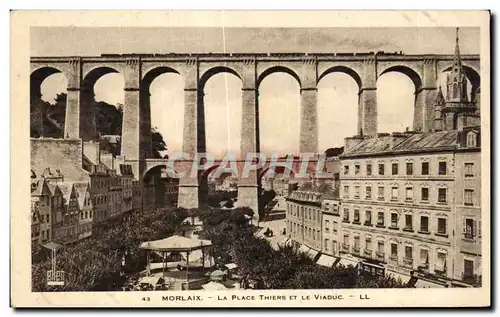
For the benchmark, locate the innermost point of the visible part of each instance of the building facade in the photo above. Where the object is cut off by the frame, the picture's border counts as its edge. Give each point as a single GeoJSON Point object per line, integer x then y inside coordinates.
{"type": "Point", "coordinates": [86, 210]}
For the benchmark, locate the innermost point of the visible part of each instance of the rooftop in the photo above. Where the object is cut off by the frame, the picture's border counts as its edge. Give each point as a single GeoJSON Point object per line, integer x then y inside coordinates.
{"type": "Point", "coordinates": [405, 142]}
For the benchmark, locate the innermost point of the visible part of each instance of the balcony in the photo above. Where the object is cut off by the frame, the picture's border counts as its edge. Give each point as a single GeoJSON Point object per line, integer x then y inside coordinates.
{"type": "Point", "coordinates": [380, 256]}
{"type": "Point", "coordinates": [394, 259]}
{"type": "Point", "coordinates": [345, 248]}
{"type": "Point", "coordinates": [408, 229]}
{"type": "Point", "coordinates": [345, 220]}
{"type": "Point", "coordinates": [472, 279]}
{"type": "Point", "coordinates": [368, 197]}
{"type": "Point", "coordinates": [380, 225]}
{"type": "Point", "coordinates": [355, 250]}
{"type": "Point", "coordinates": [367, 253]}
{"type": "Point", "coordinates": [408, 262]}
{"type": "Point", "coordinates": [356, 222]}
{"type": "Point", "coordinates": [393, 226]}
{"type": "Point", "coordinates": [440, 270]}
{"type": "Point", "coordinates": [368, 223]}
{"type": "Point", "coordinates": [424, 268]}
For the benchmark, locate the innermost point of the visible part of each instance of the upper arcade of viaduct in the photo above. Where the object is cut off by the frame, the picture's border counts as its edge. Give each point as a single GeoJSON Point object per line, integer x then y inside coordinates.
{"type": "Point", "coordinates": [306, 68]}
{"type": "Point", "coordinates": [139, 71]}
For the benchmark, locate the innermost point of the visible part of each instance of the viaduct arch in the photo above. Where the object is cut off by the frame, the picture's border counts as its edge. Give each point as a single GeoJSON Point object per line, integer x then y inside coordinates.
{"type": "Point", "coordinates": [139, 70]}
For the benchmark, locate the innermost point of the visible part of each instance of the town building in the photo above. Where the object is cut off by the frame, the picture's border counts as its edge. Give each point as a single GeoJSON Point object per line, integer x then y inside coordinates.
{"type": "Point", "coordinates": [86, 210]}
{"type": "Point", "coordinates": [41, 209]}
{"type": "Point", "coordinates": [68, 232]}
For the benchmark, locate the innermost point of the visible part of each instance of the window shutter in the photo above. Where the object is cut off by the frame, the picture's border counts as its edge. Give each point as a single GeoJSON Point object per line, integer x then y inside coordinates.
{"type": "Point", "coordinates": [474, 229]}
{"type": "Point", "coordinates": [479, 229]}
{"type": "Point", "coordinates": [464, 226]}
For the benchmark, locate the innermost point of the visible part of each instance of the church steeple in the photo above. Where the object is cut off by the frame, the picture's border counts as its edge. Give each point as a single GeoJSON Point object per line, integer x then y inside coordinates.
{"type": "Point", "coordinates": [458, 112]}
{"type": "Point", "coordinates": [456, 81]}
{"type": "Point", "coordinates": [439, 98]}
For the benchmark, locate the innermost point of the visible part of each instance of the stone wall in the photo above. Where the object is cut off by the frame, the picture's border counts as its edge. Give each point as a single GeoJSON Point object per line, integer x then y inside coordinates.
{"type": "Point", "coordinates": [63, 154]}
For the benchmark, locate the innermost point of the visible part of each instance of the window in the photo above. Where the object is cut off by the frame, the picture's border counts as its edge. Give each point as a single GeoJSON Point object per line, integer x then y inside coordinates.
{"type": "Point", "coordinates": [380, 247]}
{"type": "Point", "coordinates": [442, 168]}
{"type": "Point", "coordinates": [468, 268]}
{"type": "Point", "coordinates": [471, 228]}
{"type": "Point", "coordinates": [356, 169]}
{"type": "Point", "coordinates": [408, 222]}
{"type": "Point", "coordinates": [442, 195]}
{"type": "Point", "coordinates": [441, 261]}
{"type": "Point", "coordinates": [368, 244]}
{"type": "Point", "coordinates": [468, 197]}
{"type": "Point", "coordinates": [425, 168]}
{"type": "Point", "coordinates": [442, 225]}
{"type": "Point", "coordinates": [471, 139]}
{"type": "Point", "coordinates": [327, 225]}
{"type": "Point", "coordinates": [394, 193]}
{"type": "Point", "coordinates": [356, 242]}
{"type": "Point", "coordinates": [409, 168]}
{"type": "Point", "coordinates": [381, 168]}
{"type": "Point", "coordinates": [368, 192]}
{"type": "Point", "coordinates": [394, 250]}
{"type": "Point", "coordinates": [334, 227]}
{"type": "Point", "coordinates": [408, 252]}
{"type": "Point", "coordinates": [424, 224]}
{"type": "Point", "coordinates": [380, 218]}
{"type": "Point", "coordinates": [394, 220]}
{"type": "Point", "coordinates": [424, 256]}
{"type": "Point", "coordinates": [381, 193]}
{"type": "Point", "coordinates": [326, 244]}
{"type": "Point", "coordinates": [469, 169]}
{"type": "Point", "coordinates": [346, 169]}
{"type": "Point", "coordinates": [368, 217]}
{"type": "Point", "coordinates": [409, 193]}
{"type": "Point", "coordinates": [356, 191]}
{"type": "Point", "coordinates": [394, 168]}
{"type": "Point", "coordinates": [424, 194]}
{"type": "Point", "coordinates": [346, 239]}
{"type": "Point", "coordinates": [368, 169]}
{"type": "Point", "coordinates": [346, 191]}
{"type": "Point", "coordinates": [356, 215]}
{"type": "Point", "coordinates": [346, 214]}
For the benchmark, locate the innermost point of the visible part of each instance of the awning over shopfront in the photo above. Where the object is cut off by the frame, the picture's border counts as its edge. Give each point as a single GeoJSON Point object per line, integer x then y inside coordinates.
{"type": "Point", "coordinates": [312, 253]}
{"type": "Point", "coordinates": [326, 260]}
{"type": "Point", "coordinates": [404, 278]}
{"type": "Point", "coordinates": [303, 248]}
{"type": "Point", "coordinates": [421, 283]}
{"type": "Point", "coordinates": [347, 262]}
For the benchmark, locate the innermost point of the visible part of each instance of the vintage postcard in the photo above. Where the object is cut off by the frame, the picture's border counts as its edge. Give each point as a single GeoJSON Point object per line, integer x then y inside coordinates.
{"type": "Point", "coordinates": [250, 159]}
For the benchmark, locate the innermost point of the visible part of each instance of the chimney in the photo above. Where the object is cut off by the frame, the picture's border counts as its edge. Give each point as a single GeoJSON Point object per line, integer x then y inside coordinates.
{"type": "Point", "coordinates": [351, 142]}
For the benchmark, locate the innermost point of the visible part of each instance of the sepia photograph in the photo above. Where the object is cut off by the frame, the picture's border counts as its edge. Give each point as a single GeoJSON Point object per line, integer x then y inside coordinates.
{"type": "Point", "coordinates": [246, 165]}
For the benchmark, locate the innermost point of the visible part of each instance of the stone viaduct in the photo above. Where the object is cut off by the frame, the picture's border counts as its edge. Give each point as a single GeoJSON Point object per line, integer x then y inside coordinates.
{"type": "Point", "coordinates": [139, 70]}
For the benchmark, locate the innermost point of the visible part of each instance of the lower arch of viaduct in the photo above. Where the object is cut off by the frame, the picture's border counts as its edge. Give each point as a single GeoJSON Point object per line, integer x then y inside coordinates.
{"type": "Point", "coordinates": [139, 71]}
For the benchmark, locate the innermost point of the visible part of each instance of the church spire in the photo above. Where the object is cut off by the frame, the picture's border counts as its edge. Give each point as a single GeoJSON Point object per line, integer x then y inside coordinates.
{"type": "Point", "coordinates": [440, 98]}
{"type": "Point", "coordinates": [457, 60]}
{"type": "Point", "coordinates": [456, 81]}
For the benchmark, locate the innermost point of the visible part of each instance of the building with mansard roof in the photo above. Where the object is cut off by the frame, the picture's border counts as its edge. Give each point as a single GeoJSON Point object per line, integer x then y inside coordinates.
{"type": "Point", "coordinates": [411, 201]}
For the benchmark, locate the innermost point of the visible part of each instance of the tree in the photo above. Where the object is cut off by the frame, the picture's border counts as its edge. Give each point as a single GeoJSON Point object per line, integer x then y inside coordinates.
{"type": "Point", "coordinates": [108, 118]}
{"type": "Point", "coordinates": [331, 152]}
{"type": "Point", "coordinates": [158, 144]}
{"type": "Point", "coordinates": [265, 198]}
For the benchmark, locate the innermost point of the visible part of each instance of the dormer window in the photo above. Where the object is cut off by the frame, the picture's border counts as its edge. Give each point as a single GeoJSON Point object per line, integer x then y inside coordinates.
{"type": "Point", "coordinates": [472, 139]}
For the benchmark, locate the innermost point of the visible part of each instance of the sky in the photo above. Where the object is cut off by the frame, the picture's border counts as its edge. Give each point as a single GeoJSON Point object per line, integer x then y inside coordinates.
{"type": "Point", "coordinates": [279, 98]}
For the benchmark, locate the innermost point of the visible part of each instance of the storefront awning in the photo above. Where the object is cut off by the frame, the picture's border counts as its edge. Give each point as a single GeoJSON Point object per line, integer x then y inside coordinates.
{"type": "Point", "coordinates": [404, 278]}
{"type": "Point", "coordinates": [427, 284]}
{"type": "Point", "coordinates": [326, 260]}
{"type": "Point", "coordinates": [303, 248]}
{"type": "Point", "coordinates": [312, 253]}
{"type": "Point", "coordinates": [346, 262]}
